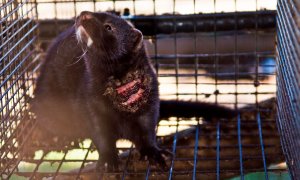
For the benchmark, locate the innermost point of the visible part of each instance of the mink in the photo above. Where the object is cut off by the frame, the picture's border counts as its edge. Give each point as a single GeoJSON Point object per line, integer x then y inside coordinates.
{"type": "Point", "coordinates": [97, 81]}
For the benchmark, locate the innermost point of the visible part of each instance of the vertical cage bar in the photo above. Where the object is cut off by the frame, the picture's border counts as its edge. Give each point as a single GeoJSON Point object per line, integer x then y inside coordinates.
{"type": "Point", "coordinates": [174, 152]}
{"type": "Point", "coordinates": [83, 162]}
{"type": "Point", "coordinates": [127, 163]}
{"type": "Point", "coordinates": [75, 6]}
{"type": "Point", "coordinates": [240, 146]}
{"type": "Point", "coordinates": [262, 144]}
{"type": "Point", "coordinates": [40, 161]}
{"type": "Point", "coordinates": [196, 152]}
{"type": "Point", "coordinates": [60, 164]}
{"type": "Point", "coordinates": [148, 171]}
{"type": "Point", "coordinates": [236, 59]}
{"type": "Point", "coordinates": [196, 58]}
{"type": "Point", "coordinates": [175, 49]}
{"type": "Point", "coordinates": [94, 5]}
{"type": "Point", "coordinates": [256, 81]}
{"type": "Point", "coordinates": [216, 57]}
{"type": "Point", "coordinates": [55, 17]}
{"type": "Point", "coordinates": [155, 39]}
{"type": "Point", "coordinates": [218, 150]}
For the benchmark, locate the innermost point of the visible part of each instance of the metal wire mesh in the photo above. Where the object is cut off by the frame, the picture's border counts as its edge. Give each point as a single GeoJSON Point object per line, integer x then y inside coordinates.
{"type": "Point", "coordinates": [288, 82]}
{"type": "Point", "coordinates": [200, 54]}
{"type": "Point", "coordinates": [17, 66]}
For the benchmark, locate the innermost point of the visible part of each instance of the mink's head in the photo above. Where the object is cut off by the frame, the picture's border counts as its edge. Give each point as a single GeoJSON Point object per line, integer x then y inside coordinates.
{"type": "Point", "coordinates": [107, 36]}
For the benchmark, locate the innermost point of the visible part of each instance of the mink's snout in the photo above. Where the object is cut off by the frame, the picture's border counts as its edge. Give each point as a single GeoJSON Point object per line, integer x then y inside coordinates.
{"type": "Point", "coordinates": [82, 34]}
{"type": "Point", "coordinates": [137, 34]}
{"type": "Point", "coordinates": [138, 39]}
{"type": "Point", "coordinates": [84, 15]}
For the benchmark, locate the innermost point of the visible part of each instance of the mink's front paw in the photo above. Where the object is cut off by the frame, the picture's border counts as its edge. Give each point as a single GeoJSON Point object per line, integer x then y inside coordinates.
{"type": "Point", "coordinates": [156, 156]}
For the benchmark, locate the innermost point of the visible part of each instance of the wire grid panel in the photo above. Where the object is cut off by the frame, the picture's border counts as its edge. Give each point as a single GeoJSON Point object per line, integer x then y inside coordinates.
{"type": "Point", "coordinates": [288, 82]}
{"type": "Point", "coordinates": [18, 37]}
{"type": "Point", "coordinates": [227, 58]}
{"type": "Point", "coordinates": [210, 151]}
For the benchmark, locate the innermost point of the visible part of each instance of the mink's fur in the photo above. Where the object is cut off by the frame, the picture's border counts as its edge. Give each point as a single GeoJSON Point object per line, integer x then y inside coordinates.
{"type": "Point", "coordinates": [71, 96]}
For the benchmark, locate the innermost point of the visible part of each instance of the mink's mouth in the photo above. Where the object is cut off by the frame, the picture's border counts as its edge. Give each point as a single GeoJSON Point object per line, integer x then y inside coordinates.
{"type": "Point", "coordinates": [130, 93]}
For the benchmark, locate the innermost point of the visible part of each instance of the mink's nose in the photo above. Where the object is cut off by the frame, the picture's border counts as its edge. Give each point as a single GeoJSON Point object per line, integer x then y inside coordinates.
{"type": "Point", "coordinates": [137, 34]}
{"type": "Point", "coordinates": [138, 39]}
{"type": "Point", "coordinates": [84, 15]}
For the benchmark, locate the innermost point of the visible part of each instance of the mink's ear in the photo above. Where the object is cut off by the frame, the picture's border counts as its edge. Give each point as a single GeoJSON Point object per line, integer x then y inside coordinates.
{"type": "Point", "coordinates": [138, 36]}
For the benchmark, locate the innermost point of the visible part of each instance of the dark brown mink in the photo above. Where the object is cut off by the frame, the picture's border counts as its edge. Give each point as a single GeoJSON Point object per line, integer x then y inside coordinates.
{"type": "Point", "coordinates": [97, 82]}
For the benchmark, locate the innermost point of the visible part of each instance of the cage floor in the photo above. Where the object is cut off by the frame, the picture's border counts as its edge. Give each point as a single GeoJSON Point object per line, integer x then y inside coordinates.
{"type": "Point", "coordinates": [246, 144]}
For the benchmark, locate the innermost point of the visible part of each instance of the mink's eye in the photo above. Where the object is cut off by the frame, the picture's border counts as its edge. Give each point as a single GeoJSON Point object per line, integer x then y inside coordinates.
{"type": "Point", "coordinates": [107, 27]}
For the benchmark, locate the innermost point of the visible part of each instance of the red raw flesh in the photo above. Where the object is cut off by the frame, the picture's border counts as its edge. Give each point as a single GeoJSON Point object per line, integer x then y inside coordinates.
{"type": "Point", "coordinates": [134, 97]}
{"type": "Point", "coordinates": [127, 86]}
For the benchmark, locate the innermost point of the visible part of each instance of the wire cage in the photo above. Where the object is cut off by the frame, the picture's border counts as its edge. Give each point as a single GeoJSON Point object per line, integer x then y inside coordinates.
{"type": "Point", "coordinates": [212, 50]}
{"type": "Point", "coordinates": [18, 64]}
{"type": "Point", "coordinates": [288, 83]}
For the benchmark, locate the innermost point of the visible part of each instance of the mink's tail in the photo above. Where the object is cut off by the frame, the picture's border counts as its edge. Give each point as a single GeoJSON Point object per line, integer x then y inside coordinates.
{"type": "Point", "coordinates": [187, 109]}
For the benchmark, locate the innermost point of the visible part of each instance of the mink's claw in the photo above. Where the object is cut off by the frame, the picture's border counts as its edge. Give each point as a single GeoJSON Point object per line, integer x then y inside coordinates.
{"type": "Point", "coordinates": [156, 156]}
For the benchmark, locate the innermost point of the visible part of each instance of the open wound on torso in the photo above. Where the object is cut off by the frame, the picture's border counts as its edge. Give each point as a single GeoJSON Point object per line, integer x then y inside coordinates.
{"type": "Point", "coordinates": [129, 93]}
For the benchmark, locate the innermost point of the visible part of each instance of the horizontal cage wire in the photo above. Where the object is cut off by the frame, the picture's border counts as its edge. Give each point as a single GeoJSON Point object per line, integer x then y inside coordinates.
{"type": "Point", "coordinates": [218, 51]}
